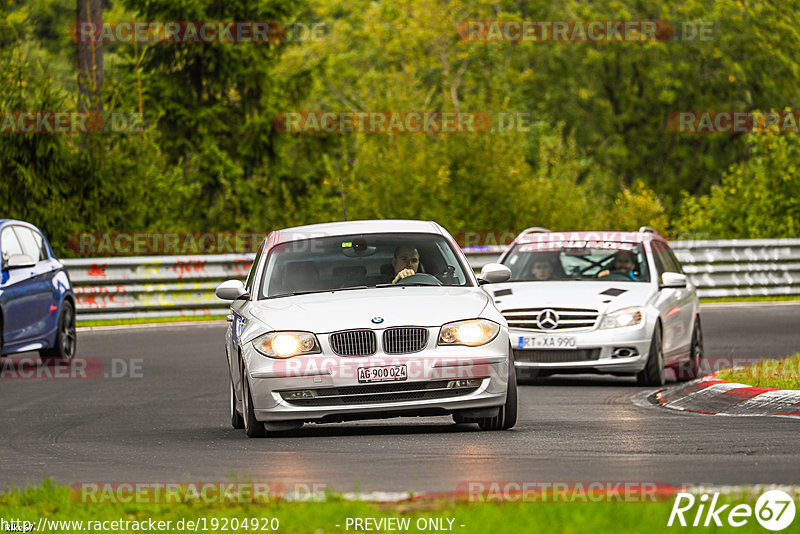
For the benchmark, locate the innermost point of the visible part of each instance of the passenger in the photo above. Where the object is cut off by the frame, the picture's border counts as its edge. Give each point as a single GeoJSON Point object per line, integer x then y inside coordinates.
{"type": "Point", "coordinates": [624, 262]}
{"type": "Point", "coordinates": [405, 262]}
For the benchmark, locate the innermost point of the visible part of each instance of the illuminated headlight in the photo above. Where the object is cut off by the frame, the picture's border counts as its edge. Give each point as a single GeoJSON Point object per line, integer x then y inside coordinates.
{"type": "Point", "coordinates": [623, 317]}
{"type": "Point", "coordinates": [286, 344]}
{"type": "Point", "coordinates": [473, 333]}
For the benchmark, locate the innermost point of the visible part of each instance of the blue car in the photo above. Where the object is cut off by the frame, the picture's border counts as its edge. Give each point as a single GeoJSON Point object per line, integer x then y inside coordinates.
{"type": "Point", "coordinates": [37, 305]}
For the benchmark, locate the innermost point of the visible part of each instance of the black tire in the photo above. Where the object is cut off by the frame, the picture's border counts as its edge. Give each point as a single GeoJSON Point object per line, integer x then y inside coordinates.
{"type": "Point", "coordinates": [252, 427]}
{"type": "Point", "coordinates": [507, 416]}
{"type": "Point", "coordinates": [66, 340]}
{"type": "Point", "coordinates": [237, 421]}
{"type": "Point", "coordinates": [695, 354]}
{"type": "Point", "coordinates": [654, 374]}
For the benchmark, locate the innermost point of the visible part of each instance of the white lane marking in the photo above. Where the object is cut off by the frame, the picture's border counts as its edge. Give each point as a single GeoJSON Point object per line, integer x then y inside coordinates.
{"type": "Point", "coordinates": [149, 325]}
{"type": "Point", "coordinates": [707, 305]}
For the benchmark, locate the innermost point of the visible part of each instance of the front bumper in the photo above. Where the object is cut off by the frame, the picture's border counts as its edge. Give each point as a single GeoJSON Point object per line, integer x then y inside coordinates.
{"type": "Point", "coordinates": [338, 395]}
{"type": "Point", "coordinates": [595, 351]}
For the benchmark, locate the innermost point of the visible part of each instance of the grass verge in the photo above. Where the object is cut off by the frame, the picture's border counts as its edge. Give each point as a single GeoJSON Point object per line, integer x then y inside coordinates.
{"type": "Point", "coordinates": [753, 298]}
{"type": "Point", "coordinates": [769, 373]}
{"type": "Point", "coordinates": [58, 503]}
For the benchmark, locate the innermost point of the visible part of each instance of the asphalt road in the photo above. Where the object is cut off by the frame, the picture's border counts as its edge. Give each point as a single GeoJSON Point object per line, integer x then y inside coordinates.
{"type": "Point", "coordinates": [167, 420]}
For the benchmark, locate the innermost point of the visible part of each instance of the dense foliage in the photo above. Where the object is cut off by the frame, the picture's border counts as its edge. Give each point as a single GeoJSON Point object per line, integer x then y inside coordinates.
{"type": "Point", "coordinates": [591, 148]}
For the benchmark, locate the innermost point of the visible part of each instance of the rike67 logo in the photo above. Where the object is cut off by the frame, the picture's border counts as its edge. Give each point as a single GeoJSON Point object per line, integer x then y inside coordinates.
{"type": "Point", "coordinates": [774, 510]}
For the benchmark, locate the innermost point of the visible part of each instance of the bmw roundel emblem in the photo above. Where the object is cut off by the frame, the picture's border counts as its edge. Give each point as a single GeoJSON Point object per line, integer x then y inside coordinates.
{"type": "Point", "coordinates": [377, 320]}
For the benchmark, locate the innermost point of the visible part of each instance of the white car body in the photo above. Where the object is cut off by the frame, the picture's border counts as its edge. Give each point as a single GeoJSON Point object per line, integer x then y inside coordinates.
{"type": "Point", "coordinates": [328, 387]}
{"type": "Point", "coordinates": [578, 343]}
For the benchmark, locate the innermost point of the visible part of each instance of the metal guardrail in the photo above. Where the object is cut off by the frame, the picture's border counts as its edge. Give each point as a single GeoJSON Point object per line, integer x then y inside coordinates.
{"type": "Point", "coordinates": [152, 286]}
{"type": "Point", "coordinates": [183, 286]}
{"type": "Point", "coordinates": [741, 267]}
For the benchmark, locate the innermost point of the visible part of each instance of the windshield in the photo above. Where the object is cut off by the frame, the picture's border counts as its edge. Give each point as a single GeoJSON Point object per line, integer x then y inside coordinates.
{"type": "Point", "coordinates": [360, 261]}
{"type": "Point", "coordinates": [613, 261]}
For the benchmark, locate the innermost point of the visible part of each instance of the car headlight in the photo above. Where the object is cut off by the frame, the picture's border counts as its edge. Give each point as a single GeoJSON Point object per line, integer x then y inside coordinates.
{"type": "Point", "coordinates": [286, 344]}
{"type": "Point", "coordinates": [473, 332]}
{"type": "Point", "coordinates": [624, 317]}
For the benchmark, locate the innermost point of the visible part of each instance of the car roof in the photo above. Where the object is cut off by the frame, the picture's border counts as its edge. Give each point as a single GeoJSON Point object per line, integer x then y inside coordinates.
{"type": "Point", "coordinates": [641, 236]}
{"type": "Point", "coordinates": [23, 223]}
{"type": "Point", "coordinates": [382, 226]}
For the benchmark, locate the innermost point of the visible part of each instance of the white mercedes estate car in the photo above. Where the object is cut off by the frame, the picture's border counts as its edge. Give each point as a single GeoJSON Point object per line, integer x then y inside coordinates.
{"type": "Point", "coordinates": [366, 319]}
{"type": "Point", "coordinates": [599, 302]}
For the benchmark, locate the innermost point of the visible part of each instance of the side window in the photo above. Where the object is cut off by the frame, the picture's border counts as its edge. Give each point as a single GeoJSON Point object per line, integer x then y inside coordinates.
{"type": "Point", "coordinates": [248, 285]}
{"type": "Point", "coordinates": [677, 264]}
{"type": "Point", "coordinates": [659, 257]}
{"type": "Point", "coordinates": [31, 242]}
{"type": "Point", "coordinates": [9, 244]}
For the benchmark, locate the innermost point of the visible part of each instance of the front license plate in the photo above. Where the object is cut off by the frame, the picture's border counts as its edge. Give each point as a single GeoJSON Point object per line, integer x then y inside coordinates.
{"type": "Point", "coordinates": [386, 373]}
{"type": "Point", "coordinates": [547, 342]}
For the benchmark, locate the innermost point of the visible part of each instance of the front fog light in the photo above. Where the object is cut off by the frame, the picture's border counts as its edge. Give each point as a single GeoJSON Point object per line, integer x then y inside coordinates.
{"type": "Point", "coordinates": [460, 384]}
{"type": "Point", "coordinates": [623, 317]}
{"type": "Point", "coordinates": [299, 394]}
{"type": "Point", "coordinates": [286, 344]}
{"type": "Point", "coordinates": [473, 333]}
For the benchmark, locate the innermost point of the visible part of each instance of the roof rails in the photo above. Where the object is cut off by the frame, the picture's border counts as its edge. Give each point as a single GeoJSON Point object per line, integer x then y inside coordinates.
{"type": "Point", "coordinates": [534, 230]}
{"type": "Point", "coordinates": [648, 229]}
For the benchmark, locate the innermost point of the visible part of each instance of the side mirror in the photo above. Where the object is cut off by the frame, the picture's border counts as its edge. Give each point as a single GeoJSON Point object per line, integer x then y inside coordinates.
{"type": "Point", "coordinates": [231, 290]}
{"type": "Point", "coordinates": [19, 260]}
{"type": "Point", "coordinates": [675, 280]}
{"type": "Point", "coordinates": [493, 273]}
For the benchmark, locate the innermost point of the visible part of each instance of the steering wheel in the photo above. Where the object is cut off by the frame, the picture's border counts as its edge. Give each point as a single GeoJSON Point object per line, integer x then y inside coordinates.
{"type": "Point", "coordinates": [617, 276]}
{"type": "Point", "coordinates": [419, 278]}
{"type": "Point", "coordinates": [448, 276]}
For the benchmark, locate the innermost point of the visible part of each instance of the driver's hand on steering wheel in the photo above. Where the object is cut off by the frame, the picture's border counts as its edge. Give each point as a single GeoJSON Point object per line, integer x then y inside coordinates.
{"type": "Point", "coordinates": [402, 274]}
{"type": "Point", "coordinates": [605, 272]}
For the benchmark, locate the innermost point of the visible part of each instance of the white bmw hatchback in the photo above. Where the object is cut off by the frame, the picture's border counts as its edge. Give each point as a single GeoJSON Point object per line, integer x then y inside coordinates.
{"type": "Point", "coordinates": [599, 302]}
{"type": "Point", "coordinates": [366, 319]}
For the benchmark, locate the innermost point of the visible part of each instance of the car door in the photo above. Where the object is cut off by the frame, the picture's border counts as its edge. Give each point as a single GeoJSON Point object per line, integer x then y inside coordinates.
{"type": "Point", "coordinates": [686, 300]}
{"type": "Point", "coordinates": [20, 299]}
{"type": "Point", "coordinates": [237, 321]}
{"type": "Point", "coordinates": [670, 303]}
{"type": "Point", "coordinates": [45, 293]}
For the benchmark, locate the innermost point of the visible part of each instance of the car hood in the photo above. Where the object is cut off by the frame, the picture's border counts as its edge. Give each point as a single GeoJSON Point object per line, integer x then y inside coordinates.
{"type": "Point", "coordinates": [599, 295]}
{"type": "Point", "coordinates": [342, 310]}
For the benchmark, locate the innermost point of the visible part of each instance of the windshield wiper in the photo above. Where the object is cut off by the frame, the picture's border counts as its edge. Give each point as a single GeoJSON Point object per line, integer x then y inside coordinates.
{"type": "Point", "coordinates": [294, 293]}
{"type": "Point", "coordinates": [316, 291]}
{"type": "Point", "coordinates": [409, 285]}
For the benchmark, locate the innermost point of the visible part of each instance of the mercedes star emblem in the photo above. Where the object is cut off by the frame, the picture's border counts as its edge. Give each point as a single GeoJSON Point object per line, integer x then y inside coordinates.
{"type": "Point", "coordinates": [547, 319]}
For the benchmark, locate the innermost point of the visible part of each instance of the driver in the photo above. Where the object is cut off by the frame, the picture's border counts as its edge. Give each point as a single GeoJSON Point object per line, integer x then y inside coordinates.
{"type": "Point", "coordinates": [405, 262]}
{"type": "Point", "coordinates": [542, 268]}
{"type": "Point", "coordinates": [624, 262]}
